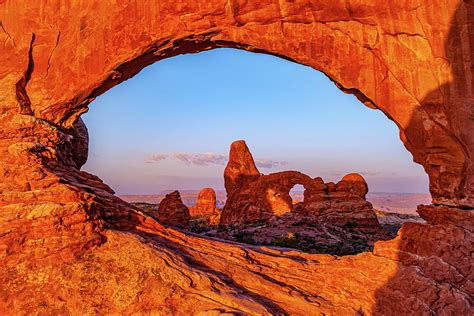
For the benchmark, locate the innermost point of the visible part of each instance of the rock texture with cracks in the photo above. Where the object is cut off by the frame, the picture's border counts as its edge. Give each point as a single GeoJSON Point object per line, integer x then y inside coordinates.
{"type": "Point", "coordinates": [63, 231]}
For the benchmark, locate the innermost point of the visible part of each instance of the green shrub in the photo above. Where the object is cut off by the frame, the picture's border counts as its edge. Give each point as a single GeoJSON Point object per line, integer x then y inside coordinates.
{"type": "Point", "coordinates": [290, 240]}
{"type": "Point", "coordinates": [199, 226]}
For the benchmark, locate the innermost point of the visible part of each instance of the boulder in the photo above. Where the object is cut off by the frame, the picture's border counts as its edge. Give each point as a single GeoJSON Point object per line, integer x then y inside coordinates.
{"type": "Point", "coordinates": [172, 211]}
{"type": "Point", "coordinates": [353, 184]}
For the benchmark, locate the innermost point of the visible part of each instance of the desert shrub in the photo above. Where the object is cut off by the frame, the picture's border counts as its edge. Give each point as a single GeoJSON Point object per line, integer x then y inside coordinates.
{"type": "Point", "coordinates": [199, 226]}
{"type": "Point", "coordinates": [392, 229]}
{"type": "Point", "coordinates": [147, 207]}
{"type": "Point", "coordinates": [289, 240]}
{"type": "Point", "coordinates": [244, 237]}
{"type": "Point", "coordinates": [224, 228]}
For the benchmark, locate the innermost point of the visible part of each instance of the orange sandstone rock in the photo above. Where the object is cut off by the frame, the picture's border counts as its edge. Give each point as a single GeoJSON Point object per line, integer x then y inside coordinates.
{"type": "Point", "coordinates": [354, 184]}
{"type": "Point", "coordinates": [240, 169]}
{"type": "Point", "coordinates": [269, 195]}
{"type": "Point", "coordinates": [205, 203]}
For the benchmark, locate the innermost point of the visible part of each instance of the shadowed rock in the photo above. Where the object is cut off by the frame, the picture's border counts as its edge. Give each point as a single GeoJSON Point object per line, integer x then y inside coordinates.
{"type": "Point", "coordinates": [172, 211]}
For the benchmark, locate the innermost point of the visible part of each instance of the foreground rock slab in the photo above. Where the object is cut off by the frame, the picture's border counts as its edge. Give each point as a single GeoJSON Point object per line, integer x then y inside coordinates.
{"type": "Point", "coordinates": [149, 268]}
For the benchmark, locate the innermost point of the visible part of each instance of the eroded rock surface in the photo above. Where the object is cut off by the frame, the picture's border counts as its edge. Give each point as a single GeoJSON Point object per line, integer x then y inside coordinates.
{"type": "Point", "coordinates": [205, 207]}
{"type": "Point", "coordinates": [63, 231]}
{"type": "Point", "coordinates": [172, 211]}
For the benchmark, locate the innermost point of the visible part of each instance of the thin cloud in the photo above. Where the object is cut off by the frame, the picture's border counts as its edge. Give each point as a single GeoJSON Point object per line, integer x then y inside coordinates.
{"type": "Point", "coordinates": [370, 173]}
{"type": "Point", "coordinates": [209, 158]}
{"type": "Point", "coordinates": [269, 164]}
{"type": "Point", "coordinates": [203, 159]}
{"type": "Point", "coordinates": [156, 157]}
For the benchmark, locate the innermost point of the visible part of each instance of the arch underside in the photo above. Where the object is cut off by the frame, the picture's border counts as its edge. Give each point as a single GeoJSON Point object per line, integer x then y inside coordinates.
{"type": "Point", "coordinates": [412, 63]}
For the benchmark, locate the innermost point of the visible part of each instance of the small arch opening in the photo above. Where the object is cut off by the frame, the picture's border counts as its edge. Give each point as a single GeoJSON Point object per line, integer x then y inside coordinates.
{"type": "Point", "coordinates": [297, 194]}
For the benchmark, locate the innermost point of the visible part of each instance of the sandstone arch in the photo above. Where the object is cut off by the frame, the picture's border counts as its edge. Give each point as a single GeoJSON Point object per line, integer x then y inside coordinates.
{"type": "Point", "coordinates": [412, 61]}
{"type": "Point", "coordinates": [265, 196]}
{"type": "Point", "coordinates": [253, 197]}
{"type": "Point", "coordinates": [104, 50]}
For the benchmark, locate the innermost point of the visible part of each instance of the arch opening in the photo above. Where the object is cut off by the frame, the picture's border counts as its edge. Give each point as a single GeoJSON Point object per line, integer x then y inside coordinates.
{"type": "Point", "coordinates": [297, 194]}
{"type": "Point", "coordinates": [173, 112]}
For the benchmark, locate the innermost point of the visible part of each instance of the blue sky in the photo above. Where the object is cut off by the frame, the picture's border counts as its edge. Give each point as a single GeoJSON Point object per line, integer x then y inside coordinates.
{"type": "Point", "coordinates": [170, 127]}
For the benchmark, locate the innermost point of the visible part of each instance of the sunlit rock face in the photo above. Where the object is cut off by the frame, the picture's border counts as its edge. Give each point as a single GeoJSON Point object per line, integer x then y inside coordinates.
{"type": "Point", "coordinates": [206, 207]}
{"type": "Point", "coordinates": [205, 203]}
{"type": "Point", "coordinates": [240, 169]}
{"type": "Point", "coordinates": [413, 61]}
{"type": "Point", "coordinates": [354, 185]}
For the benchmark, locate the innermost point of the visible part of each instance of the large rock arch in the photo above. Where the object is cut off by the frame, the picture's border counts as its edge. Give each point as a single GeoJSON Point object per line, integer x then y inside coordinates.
{"type": "Point", "coordinates": [412, 61]}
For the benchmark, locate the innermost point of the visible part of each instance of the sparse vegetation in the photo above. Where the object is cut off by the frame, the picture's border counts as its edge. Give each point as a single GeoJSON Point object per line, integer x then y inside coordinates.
{"type": "Point", "coordinates": [290, 240]}
{"type": "Point", "coordinates": [244, 237]}
{"type": "Point", "coordinates": [308, 244]}
{"type": "Point", "coordinates": [309, 238]}
{"type": "Point", "coordinates": [199, 225]}
{"type": "Point", "coordinates": [147, 207]}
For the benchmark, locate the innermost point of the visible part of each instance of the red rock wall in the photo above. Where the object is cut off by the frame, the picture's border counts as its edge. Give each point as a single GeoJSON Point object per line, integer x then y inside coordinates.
{"type": "Point", "coordinates": [411, 60]}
